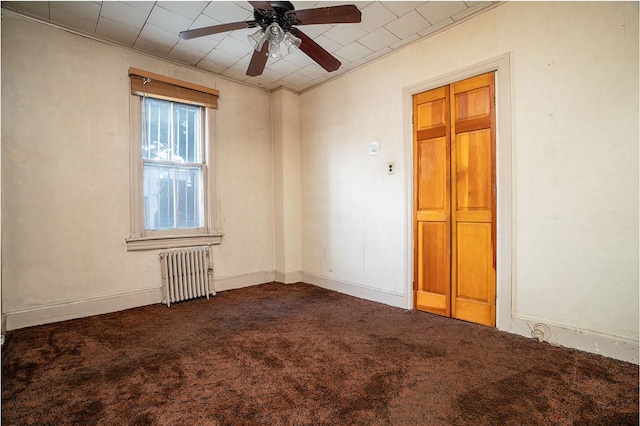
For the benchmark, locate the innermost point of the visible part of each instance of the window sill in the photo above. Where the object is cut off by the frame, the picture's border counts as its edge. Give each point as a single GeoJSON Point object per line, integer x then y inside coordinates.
{"type": "Point", "coordinates": [154, 243]}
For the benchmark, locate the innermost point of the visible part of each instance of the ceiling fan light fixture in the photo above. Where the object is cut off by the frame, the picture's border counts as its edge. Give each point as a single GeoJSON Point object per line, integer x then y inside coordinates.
{"type": "Point", "coordinates": [274, 50]}
{"type": "Point", "coordinates": [291, 42]}
{"type": "Point", "coordinates": [257, 39]}
{"type": "Point", "coordinates": [274, 33]}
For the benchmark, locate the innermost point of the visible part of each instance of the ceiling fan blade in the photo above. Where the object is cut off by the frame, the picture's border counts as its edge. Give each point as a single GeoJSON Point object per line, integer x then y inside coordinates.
{"type": "Point", "coordinates": [264, 5]}
{"type": "Point", "coordinates": [316, 52]}
{"type": "Point", "coordinates": [258, 61]}
{"type": "Point", "coordinates": [215, 29]}
{"type": "Point", "coordinates": [346, 14]}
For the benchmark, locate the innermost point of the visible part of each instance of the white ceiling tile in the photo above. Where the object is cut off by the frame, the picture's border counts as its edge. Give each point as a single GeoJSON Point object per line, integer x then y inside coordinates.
{"type": "Point", "coordinates": [353, 52]}
{"type": "Point", "coordinates": [378, 39]}
{"type": "Point", "coordinates": [379, 53]}
{"type": "Point", "coordinates": [284, 67]}
{"type": "Point", "coordinates": [158, 36]}
{"type": "Point", "coordinates": [147, 46]}
{"type": "Point", "coordinates": [436, 11]}
{"type": "Point", "coordinates": [300, 5]}
{"type": "Point", "coordinates": [187, 9]}
{"type": "Point", "coordinates": [211, 66]}
{"type": "Point", "coordinates": [145, 6]}
{"type": "Point", "coordinates": [205, 21]}
{"type": "Point", "coordinates": [477, 6]}
{"type": "Point", "coordinates": [168, 21]}
{"type": "Point", "coordinates": [345, 34]}
{"type": "Point", "coordinates": [227, 12]}
{"type": "Point", "coordinates": [312, 71]}
{"type": "Point", "coordinates": [299, 58]}
{"type": "Point", "coordinates": [298, 79]}
{"type": "Point", "coordinates": [71, 21]}
{"type": "Point", "coordinates": [184, 54]}
{"type": "Point", "coordinates": [261, 82]}
{"type": "Point", "coordinates": [314, 31]}
{"type": "Point", "coordinates": [432, 29]}
{"type": "Point", "coordinates": [33, 8]}
{"type": "Point", "coordinates": [236, 73]}
{"type": "Point", "coordinates": [82, 9]}
{"type": "Point", "coordinates": [404, 41]}
{"type": "Point", "coordinates": [354, 65]}
{"type": "Point", "coordinates": [124, 14]}
{"type": "Point", "coordinates": [270, 75]}
{"type": "Point", "coordinates": [400, 8]}
{"type": "Point", "coordinates": [222, 58]}
{"type": "Point", "coordinates": [327, 44]}
{"type": "Point", "coordinates": [116, 31]}
{"type": "Point", "coordinates": [374, 16]}
{"type": "Point", "coordinates": [408, 24]}
{"type": "Point", "coordinates": [201, 44]}
{"type": "Point", "coordinates": [241, 35]}
{"type": "Point", "coordinates": [234, 47]}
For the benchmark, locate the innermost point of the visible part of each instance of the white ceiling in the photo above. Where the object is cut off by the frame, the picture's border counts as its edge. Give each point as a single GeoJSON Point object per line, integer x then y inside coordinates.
{"type": "Point", "coordinates": [153, 27]}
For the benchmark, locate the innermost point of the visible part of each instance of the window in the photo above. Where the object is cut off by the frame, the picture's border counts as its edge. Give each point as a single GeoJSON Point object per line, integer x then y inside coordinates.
{"type": "Point", "coordinates": [173, 165]}
{"type": "Point", "coordinates": [172, 195]}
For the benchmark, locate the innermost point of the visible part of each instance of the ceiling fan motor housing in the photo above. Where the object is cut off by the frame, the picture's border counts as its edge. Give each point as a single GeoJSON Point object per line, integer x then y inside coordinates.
{"type": "Point", "coordinates": [278, 15]}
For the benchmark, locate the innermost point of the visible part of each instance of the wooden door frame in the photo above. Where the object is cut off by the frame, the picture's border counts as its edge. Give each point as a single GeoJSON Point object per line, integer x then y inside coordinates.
{"type": "Point", "coordinates": [504, 181]}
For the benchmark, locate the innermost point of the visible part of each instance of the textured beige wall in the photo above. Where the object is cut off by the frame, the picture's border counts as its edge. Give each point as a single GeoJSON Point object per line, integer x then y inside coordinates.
{"type": "Point", "coordinates": [65, 165]}
{"type": "Point", "coordinates": [285, 110]}
{"type": "Point", "coordinates": [574, 89]}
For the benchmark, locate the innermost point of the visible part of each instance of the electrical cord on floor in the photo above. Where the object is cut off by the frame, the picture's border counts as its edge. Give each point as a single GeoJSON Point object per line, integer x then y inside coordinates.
{"type": "Point", "coordinates": [541, 332]}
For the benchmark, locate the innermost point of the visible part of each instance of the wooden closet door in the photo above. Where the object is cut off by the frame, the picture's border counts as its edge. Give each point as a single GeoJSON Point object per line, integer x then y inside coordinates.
{"type": "Point", "coordinates": [432, 188]}
{"type": "Point", "coordinates": [454, 200]}
{"type": "Point", "coordinates": [473, 199]}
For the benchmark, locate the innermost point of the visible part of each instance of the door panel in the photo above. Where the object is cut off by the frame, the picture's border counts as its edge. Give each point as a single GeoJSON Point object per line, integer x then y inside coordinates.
{"type": "Point", "coordinates": [473, 200]}
{"type": "Point", "coordinates": [473, 171]}
{"type": "Point", "coordinates": [433, 270]}
{"type": "Point", "coordinates": [474, 271]}
{"type": "Point", "coordinates": [432, 174]}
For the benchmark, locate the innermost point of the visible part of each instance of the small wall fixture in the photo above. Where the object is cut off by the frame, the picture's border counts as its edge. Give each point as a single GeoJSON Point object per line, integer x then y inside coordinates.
{"type": "Point", "coordinates": [374, 147]}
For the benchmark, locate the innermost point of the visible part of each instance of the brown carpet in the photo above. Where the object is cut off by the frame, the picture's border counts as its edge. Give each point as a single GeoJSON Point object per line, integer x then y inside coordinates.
{"type": "Point", "coordinates": [301, 355]}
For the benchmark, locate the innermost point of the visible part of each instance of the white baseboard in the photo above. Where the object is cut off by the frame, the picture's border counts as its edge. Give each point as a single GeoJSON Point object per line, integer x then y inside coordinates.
{"type": "Point", "coordinates": [609, 346]}
{"type": "Point", "coordinates": [102, 305]}
{"type": "Point", "coordinates": [81, 308]}
{"type": "Point", "coordinates": [356, 290]}
{"type": "Point", "coordinates": [244, 280]}
{"type": "Point", "coordinates": [288, 277]}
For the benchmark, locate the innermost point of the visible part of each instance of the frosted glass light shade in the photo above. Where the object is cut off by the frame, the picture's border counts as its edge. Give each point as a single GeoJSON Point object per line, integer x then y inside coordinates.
{"type": "Point", "coordinates": [257, 39]}
{"type": "Point", "coordinates": [291, 42]}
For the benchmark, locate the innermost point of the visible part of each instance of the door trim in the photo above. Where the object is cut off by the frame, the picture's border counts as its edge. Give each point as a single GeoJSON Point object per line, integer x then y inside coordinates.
{"type": "Point", "coordinates": [504, 181]}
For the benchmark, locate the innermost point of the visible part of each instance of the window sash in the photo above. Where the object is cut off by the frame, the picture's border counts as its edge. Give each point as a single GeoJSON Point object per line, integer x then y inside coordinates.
{"type": "Point", "coordinates": [173, 191]}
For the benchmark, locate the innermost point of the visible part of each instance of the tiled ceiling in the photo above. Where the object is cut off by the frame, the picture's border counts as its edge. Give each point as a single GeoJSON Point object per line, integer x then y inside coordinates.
{"type": "Point", "coordinates": [153, 27]}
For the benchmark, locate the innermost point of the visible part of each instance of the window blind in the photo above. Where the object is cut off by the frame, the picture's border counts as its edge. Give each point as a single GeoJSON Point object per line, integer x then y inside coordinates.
{"type": "Point", "coordinates": [145, 83]}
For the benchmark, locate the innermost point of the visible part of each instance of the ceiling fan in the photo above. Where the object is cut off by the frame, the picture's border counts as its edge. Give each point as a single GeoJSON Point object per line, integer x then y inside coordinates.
{"type": "Point", "coordinates": [276, 20]}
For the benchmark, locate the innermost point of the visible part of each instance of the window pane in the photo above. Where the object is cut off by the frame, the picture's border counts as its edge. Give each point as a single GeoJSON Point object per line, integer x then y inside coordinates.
{"type": "Point", "coordinates": [173, 197]}
{"type": "Point", "coordinates": [189, 197]}
{"type": "Point", "coordinates": [187, 133]}
{"type": "Point", "coordinates": [158, 197]}
{"type": "Point", "coordinates": [156, 129]}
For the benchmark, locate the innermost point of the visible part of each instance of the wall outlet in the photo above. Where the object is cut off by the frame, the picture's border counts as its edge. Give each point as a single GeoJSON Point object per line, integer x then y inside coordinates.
{"type": "Point", "coordinates": [391, 168]}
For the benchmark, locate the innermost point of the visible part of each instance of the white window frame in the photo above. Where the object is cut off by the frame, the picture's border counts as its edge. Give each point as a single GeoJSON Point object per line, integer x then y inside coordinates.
{"type": "Point", "coordinates": [142, 239]}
